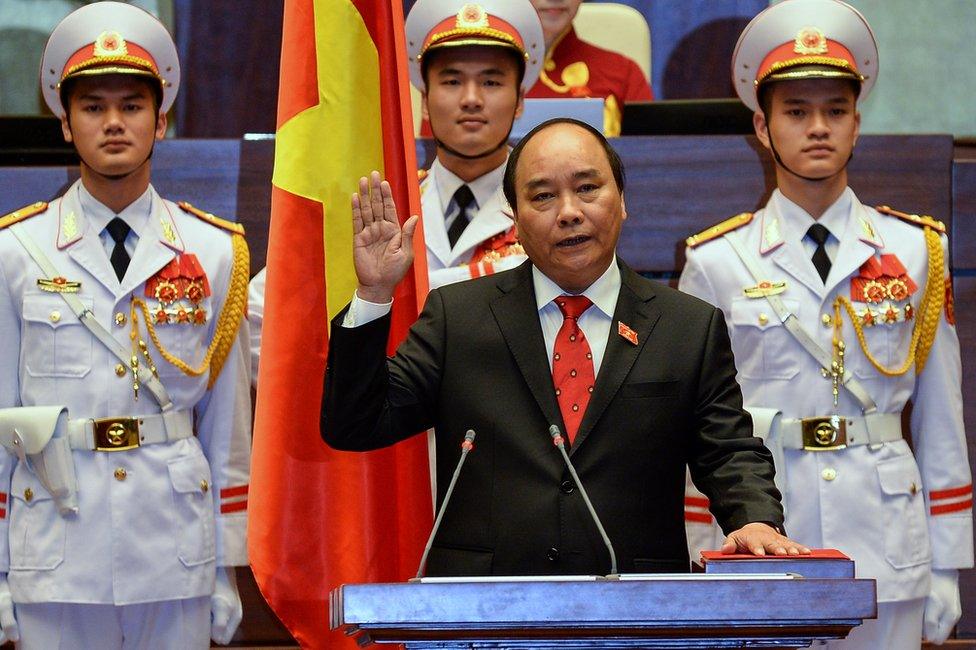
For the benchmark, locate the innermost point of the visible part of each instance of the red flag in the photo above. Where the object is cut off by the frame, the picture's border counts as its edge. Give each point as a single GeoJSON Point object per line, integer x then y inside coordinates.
{"type": "Point", "coordinates": [318, 517]}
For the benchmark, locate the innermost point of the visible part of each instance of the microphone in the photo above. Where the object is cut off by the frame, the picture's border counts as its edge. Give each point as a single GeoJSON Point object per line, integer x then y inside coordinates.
{"type": "Point", "coordinates": [557, 439]}
{"type": "Point", "coordinates": [466, 446]}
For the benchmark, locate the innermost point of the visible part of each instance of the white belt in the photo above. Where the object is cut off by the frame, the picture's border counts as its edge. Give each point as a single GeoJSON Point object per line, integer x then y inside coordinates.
{"type": "Point", "coordinates": [122, 433]}
{"type": "Point", "coordinates": [834, 432]}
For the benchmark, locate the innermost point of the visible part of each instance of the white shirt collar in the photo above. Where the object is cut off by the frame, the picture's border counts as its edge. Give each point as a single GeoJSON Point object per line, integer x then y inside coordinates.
{"type": "Point", "coordinates": [483, 187]}
{"type": "Point", "coordinates": [603, 292]}
{"type": "Point", "coordinates": [796, 221]}
{"type": "Point", "coordinates": [136, 214]}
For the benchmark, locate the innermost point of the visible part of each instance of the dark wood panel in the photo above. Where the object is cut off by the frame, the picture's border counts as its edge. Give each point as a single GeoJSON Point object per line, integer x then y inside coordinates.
{"type": "Point", "coordinates": [230, 51]}
{"type": "Point", "coordinates": [201, 172]}
{"type": "Point", "coordinates": [260, 626]}
{"type": "Point", "coordinates": [963, 237]}
{"type": "Point", "coordinates": [965, 304]}
{"type": "Point", "coordinates": [254, 197]}
{"type": "Point", "coordinates": [22, 185]}
{"type": "Point", "coordinates": [677, 186]}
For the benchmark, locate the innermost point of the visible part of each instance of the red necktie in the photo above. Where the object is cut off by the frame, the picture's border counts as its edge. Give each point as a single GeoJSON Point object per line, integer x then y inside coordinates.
{"type": "Point", "coordinates": [572, 364]}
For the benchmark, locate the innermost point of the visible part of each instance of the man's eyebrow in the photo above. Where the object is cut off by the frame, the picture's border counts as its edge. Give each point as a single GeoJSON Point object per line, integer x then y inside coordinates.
{"type": "Point", "coordinates": [592, 172]}
{"type": "Point", "coordinates": [536, 183]}
{"type": "Point", "coordinates": [494, 72]}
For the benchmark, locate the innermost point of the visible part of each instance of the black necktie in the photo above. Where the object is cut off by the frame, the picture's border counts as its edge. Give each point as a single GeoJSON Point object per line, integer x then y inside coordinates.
{"type": "Point", "coordinates": [821, 262]}
{"type": "Point", "coordinates": [463, 198]}
{"type": "Point", "coordinates": [119, 230]}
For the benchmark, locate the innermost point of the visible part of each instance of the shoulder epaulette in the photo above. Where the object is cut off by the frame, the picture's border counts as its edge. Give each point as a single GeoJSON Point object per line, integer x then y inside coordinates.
{"type": "Point", "coordinates": [719, 229]}
{"type": "Point", "coordinates": [23, 213]}
{"type": "Point", "coordinates": [916, 219]}
{"type": "Point", "coordinates": [422, 174]}
{"type": "Point", "coordinates": [211, 218]}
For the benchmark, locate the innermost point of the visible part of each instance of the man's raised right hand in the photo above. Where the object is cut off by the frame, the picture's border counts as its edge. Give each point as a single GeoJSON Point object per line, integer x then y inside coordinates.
{"type": "Point", "coordinates": [382, 249]}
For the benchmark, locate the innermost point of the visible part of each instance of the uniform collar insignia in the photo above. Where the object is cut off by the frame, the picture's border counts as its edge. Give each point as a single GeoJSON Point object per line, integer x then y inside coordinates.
{"type": "Point", "coordinates": [169, 235]}
{"type": "Point", "coordinates": [772, 238]}
{"type": "Point", "coordinates": [869, 234]}
{"type": "Point", "coordinates": [68, 230]}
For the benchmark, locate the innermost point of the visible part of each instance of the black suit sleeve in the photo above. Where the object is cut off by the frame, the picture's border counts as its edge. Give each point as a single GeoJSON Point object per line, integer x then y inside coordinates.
{"type": "Point", "coordinates": [729, 465]}
{"type": "Point", "coordinates": [372, 401]}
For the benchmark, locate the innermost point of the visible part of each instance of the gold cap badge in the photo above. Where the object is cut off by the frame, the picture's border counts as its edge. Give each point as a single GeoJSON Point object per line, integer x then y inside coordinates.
{"type": "Point", "coordinates": [472, 15]}
{"type": "Point", "coordinates": [110, 44]}
{"type": "Point", "coordinates": [810, 40]}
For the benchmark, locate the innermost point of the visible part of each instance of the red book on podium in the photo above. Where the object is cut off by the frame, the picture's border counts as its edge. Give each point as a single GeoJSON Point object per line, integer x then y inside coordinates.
{"type": "Point", "coordinates": [821, 563]}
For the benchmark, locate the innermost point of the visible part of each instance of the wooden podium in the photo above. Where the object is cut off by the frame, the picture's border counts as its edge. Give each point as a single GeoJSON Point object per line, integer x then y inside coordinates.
{"type": "Point", "coordinates": [716, 609]}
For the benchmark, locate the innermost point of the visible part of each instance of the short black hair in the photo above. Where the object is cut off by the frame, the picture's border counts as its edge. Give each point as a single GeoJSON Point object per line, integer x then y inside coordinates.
{"type": "Point", "coordinates": [616, 165]}
{"type": "Point", "coordinates": [433, 54]}
{"type": "Point", "coordinates": [764, 94]}
{"type": "Point", "coordinates": [64, 91]}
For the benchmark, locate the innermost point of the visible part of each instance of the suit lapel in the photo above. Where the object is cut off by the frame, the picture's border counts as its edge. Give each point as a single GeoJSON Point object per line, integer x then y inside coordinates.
{"type": "Point", "coordinates": [488, 222]}
{"type": "Point", "coordinates": [82, 243]}
{"type": "Point", "coordinates": [636, 310]}
{"type": "Point", "coordinates": [156, 247]}
{"type": "Point", "coordinates": [789, 255]}
{"type": "Point", "coordinates": [858, 242]}
{"type": "Point", "coordinates": [518, 319]}
{"type": "Point", "coordinates": [435, 234]}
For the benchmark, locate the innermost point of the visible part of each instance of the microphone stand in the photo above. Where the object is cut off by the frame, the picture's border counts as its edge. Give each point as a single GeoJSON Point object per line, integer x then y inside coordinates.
{"type": "Point", "coordinates": [466, 446]}
{"type": "Point", "coordinates": [557, 439]}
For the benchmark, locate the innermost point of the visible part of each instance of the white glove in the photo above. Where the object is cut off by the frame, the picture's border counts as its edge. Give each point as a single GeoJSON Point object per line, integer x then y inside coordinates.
{"type": "Point", "coordinates": [226, 610]}
{"type": "Point", "coordinates": [942, 607]}
{"type": "Point", "coordinates": [9, 631]}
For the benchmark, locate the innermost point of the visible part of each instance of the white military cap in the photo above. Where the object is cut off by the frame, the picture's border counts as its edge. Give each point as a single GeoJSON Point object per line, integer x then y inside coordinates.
{"type": "Point", "coordinates": [109, 38]}
{"type": "Point", "coordinates": [804, 39]}
{"type": "Point", "coordinates": [514, 24]}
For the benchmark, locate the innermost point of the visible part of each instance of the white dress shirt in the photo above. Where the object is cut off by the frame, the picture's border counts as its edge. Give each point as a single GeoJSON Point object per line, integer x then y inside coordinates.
{"type": "Point", "coordinates": [136, 215]}
{"type": "Point", "coordinates": [796, 221]}
{"type": "Point", "coordinates": [595, 321]}
{"type": "Point", "coordinates": [482, 187]}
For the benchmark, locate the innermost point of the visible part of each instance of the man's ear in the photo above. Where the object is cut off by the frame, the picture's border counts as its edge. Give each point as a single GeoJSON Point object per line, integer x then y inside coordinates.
{"type": "Point", "coordinates": [760, 126]}
{"type": "Point", "coordinates": [66, 129]}
{"type": "Point", "coordinates": [623, 208]}
{"type": "Point", "coordinates": [424, 113]}
{"type": "Point", "coordinates": [857, 125]}
{"type": "Point", "coordinates": [161, 123]}
{"type": "Point", "coordinates": [520, 105]}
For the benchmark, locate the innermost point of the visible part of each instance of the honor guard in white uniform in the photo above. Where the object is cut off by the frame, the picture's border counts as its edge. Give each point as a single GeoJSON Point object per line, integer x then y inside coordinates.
{"type": "Point", "coordinates": [124, 398]}
{"type": "Point", "coordinates": [839, 315]}
{"type": "Point", "coordinates": [473, 63]}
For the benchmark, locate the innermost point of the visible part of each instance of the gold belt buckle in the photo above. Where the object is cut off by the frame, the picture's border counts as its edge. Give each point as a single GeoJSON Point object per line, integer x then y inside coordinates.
{"type": "Point", "coordinates": [116, 434]}
{"type": "Point", "coordinates": [824, 434]}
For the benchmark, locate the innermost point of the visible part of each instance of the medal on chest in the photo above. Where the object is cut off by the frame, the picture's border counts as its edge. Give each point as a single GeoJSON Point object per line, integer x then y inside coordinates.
{"type": "Point", "coordinates": [179, 288]}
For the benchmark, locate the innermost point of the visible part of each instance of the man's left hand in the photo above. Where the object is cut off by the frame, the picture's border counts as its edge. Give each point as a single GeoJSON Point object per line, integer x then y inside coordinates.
{"type": "Point", "coordinates": [226, 610]}
{"type": "Point", "coordinates": [761, 539]}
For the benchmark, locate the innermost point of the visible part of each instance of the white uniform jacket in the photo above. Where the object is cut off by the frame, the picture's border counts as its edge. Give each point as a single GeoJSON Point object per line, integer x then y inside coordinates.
{"type": "Point", "coordinates": [445, 264]}
{"type": "Point", "coordinates": [154, 521]}
{"type": "Point", "coordinates": [896, 518]}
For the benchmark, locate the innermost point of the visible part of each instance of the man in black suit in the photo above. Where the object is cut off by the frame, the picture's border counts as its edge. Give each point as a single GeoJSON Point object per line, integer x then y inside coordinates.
{"type": "Point", "coordinates": [640, 377]}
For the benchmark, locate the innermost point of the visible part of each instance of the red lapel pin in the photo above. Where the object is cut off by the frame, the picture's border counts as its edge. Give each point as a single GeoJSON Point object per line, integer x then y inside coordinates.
{"type": "Point", "coordinates": [627, 333]}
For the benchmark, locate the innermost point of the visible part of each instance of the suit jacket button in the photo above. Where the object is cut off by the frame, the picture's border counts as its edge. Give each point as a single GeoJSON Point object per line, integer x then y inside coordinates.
{"type": "Point", "coordinates": [566, 487]}
{"type": "Point", "coordinates": [553, 554]}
